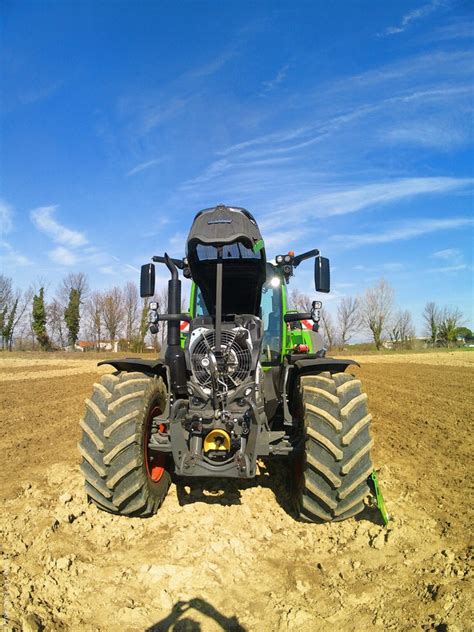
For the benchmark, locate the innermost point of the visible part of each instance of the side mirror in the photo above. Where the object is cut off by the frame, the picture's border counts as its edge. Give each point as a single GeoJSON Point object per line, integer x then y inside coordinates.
{"type": "Point", "coordinates": [147, 280]}
{"type": "Point", "coordinates": [322, 279]}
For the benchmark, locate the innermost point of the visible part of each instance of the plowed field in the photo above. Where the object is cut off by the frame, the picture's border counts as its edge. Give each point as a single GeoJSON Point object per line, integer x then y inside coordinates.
{"type": "Point", "coordinates": [230, 555]}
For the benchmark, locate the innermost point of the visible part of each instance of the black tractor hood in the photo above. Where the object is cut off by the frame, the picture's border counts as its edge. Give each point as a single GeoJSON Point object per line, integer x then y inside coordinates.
{"type": "Point", "coordinates": [230, 236]}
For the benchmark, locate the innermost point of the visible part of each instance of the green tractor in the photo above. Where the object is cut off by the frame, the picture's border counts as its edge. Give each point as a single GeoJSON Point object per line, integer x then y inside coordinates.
{"type": "Point", "coordinates": [241, 378]}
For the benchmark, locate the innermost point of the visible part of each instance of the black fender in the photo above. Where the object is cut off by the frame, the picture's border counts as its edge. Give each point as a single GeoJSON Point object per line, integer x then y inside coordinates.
{"type": "Point", "coordinates": [155, 367]}
{"type": "Point", "coordinates": [305, 366]}
{"type": "Point", "coordinates": [323, 364]}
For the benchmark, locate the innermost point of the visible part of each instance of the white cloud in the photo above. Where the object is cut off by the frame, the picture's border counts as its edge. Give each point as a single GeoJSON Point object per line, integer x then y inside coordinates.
{"type": "Point", "coordinates": [407, 230]}
{"type": "Point", "coordinates": [63, 256]}
{"type": "Point", "coordinates": [106, 269]}
{"type": "Point", "coordinates": [432, 134]}
{"type": "Point", "coordinates": [280, 76]}
{"type": "Point", "coordinates": [448, 253]}
{"type": "Point", "coordinates": [446, 269]}
{"type": "Point", "coordinates": [212, 66]}
{"type": "Point", "coordinates": [342, 202]}
{"type": "Point", "coordinates": [394, 266]}
{"type": "Point", "coordinates": [132, 268]}
{"type": "Point", "coordinates": [144, 165]}
{"type": "Point", "coordinates": [6, 217]}
{"type": "Point", "coordinates": [275, 240]}
{"type": "Point", "coordinates": [44, 221]}
{"type": "Point", "coordinates": [276, 137]}
{"type": "Point", "coordinates": [452, 257]}
{"type": "Point", "coordinates": [177, 243]}
{"type": "Point", "coordinates": [414, 15]}
{"type": "Point", "coordinates": [11, 257]}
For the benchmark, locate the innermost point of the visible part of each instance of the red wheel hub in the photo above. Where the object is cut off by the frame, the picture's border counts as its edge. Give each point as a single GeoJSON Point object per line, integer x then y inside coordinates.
{"type": "Point", "coordinates": [154, 461]}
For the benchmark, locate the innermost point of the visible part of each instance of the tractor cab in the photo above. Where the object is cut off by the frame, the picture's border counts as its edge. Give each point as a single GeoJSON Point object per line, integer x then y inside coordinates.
{"type": "Point", "coordinates": [279, 337]}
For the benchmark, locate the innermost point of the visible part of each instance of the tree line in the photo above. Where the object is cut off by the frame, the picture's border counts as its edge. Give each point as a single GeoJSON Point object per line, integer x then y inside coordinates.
{"type": "Point", "coordinates": [375, 314]}
{"type": "Point", "coordinates": [118, 317]}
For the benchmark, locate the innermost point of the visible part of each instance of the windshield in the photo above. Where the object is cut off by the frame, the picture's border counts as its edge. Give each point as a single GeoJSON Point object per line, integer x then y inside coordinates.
{"type": "Point", "coordinates": [235, 250]}
{"type": "Point", "coordinates": [271, 315]}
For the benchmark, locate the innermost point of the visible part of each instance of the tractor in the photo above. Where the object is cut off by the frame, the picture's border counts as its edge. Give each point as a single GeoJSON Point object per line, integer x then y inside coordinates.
{"type": "Point", "coordinates": [243, 377]}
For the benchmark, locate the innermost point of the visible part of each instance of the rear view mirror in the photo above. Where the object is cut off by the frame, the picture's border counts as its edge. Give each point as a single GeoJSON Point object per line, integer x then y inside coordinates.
{"type": "Point", "coordinates": [322, 279]}
{"type": "Point", "coordinates": [147, 280]}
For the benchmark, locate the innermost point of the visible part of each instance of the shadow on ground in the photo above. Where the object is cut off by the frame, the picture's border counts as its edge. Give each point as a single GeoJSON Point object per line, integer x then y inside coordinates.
{"type": "Point", "coordinates": [180, 619]}
{"type": "Point", "coordinates": [274, 474]}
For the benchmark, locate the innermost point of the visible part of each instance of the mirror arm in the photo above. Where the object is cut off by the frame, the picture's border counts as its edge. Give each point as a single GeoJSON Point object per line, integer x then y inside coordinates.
{"type": "Point", "coordinates": [306, 255]}
{"type": "Point", "coordinates": [179, 263]}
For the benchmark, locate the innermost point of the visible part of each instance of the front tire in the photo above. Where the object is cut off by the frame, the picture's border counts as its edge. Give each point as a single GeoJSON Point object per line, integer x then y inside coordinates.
{"type": "Point", "coordinates": [336, 462]}
{"type": "Point", "coordinates": [121, 475]}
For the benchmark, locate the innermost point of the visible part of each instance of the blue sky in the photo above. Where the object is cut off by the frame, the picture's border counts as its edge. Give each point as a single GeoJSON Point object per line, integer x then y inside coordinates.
{"type": "Point", "coordinates": [345, 126]}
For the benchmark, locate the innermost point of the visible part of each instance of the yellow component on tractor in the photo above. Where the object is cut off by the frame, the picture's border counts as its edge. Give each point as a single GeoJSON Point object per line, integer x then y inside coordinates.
{"type": "Point", "coordinates": [217, 439]}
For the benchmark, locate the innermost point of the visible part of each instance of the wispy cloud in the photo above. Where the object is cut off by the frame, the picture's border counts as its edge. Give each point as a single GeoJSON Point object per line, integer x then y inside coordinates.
{"type": "Point", "coordinates": [452, 257]}
{"type": "Point", "coordinates": [454, 30]}
{"type": "Point", "coordinates": [212, 66]}
{"type": "Point", "coordinates": [432, 134]}
{"type": "Point", "coordinates": [146, 112]}
{"type": "Point", "coordinates": [447, 254]}
{"type": "Point", "coordinates": [63, 256]}
{"type": "Point", "coordinates": [11, 257]}
{"type": "Point", "coordinates": [271, 84]}
{"type": "Point", "coordinates": [446, 269]}
{"type": "Point", "coordinates": [402, 231]}
{"type": "Point", "coordinates": [106, 269]}
{"type": "Point", "coordinates": [413, 16]}
{"type": "Point", "coordinates": [144, 165]}
{"type": "Point", "coordinates": [44, 221]}
{"type": "Point", "coordinates": [129, 267]}
{"type": "Point", "coordinates": [6, 217]}
{"type": "Point", "coordinates": [358, 198]}
{"type": "Point", "coordinates": [350, 200]}
{"type": "Point", "coordinates": [74, 248]}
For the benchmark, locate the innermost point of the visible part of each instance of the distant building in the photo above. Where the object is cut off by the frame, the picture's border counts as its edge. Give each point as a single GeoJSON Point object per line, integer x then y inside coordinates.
{"type": "Point", "coordinates": [88, 345]}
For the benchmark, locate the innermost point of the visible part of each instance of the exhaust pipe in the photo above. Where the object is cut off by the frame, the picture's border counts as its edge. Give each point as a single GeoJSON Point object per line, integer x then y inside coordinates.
{"type": "Point", "coordinates": [174, 356]}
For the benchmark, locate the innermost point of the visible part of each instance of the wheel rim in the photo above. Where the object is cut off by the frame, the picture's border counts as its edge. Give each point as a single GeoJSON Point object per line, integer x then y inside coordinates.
{"type": "Point", "coordinates": [154, 461]}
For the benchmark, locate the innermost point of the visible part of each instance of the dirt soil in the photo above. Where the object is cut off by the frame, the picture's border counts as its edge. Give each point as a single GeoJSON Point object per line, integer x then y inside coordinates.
{"type": "Point", "coordinates": [230, 555]}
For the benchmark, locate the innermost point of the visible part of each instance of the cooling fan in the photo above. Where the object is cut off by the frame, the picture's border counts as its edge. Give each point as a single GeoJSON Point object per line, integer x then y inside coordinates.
{"type": "Point", "coordinates": [236, 360]}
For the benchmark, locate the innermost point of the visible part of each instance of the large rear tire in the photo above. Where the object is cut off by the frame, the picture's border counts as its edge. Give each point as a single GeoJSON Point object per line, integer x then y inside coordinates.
{"type": "Point", "coordinates": [121, 475]}
{"type": "Point", "coordinates": [332, 471]}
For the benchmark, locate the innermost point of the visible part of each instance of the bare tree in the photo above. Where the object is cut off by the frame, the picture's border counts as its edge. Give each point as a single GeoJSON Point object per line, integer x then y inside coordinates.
{"type": "Point", "coordinates": [348, 318]}
{"type": "Point", "coordinates": [402, 331]}
{"type": "Point", "coordinates": [6, 299]}
{"type": "Point", "coordinates": [300, 301]}
{"type": "Point", "coordinates": [162, 299]}
{"type": "Point", "coordinates": [112, 310]}
{"type": "Point", "coordinates": [377, 310]}
{"type": "Point", "coordinates": [73, 281]}
{"type": "Point", "coordinates": [74, 287]}
{"type": "Point", "coordinates": [56, 323]}
{"type": "Point", "coordinates": [450, 320]}
{"type": "Point", "coordinates": [432, 317]}
{"type": "Point", "coordinates": [13, 305]}
{"type": "Point", "coordinates": [95, 318]}
{"type": "Point", "coordinates": [328, 330]}
{"type": "Point", "coordinates": [130, 306]}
